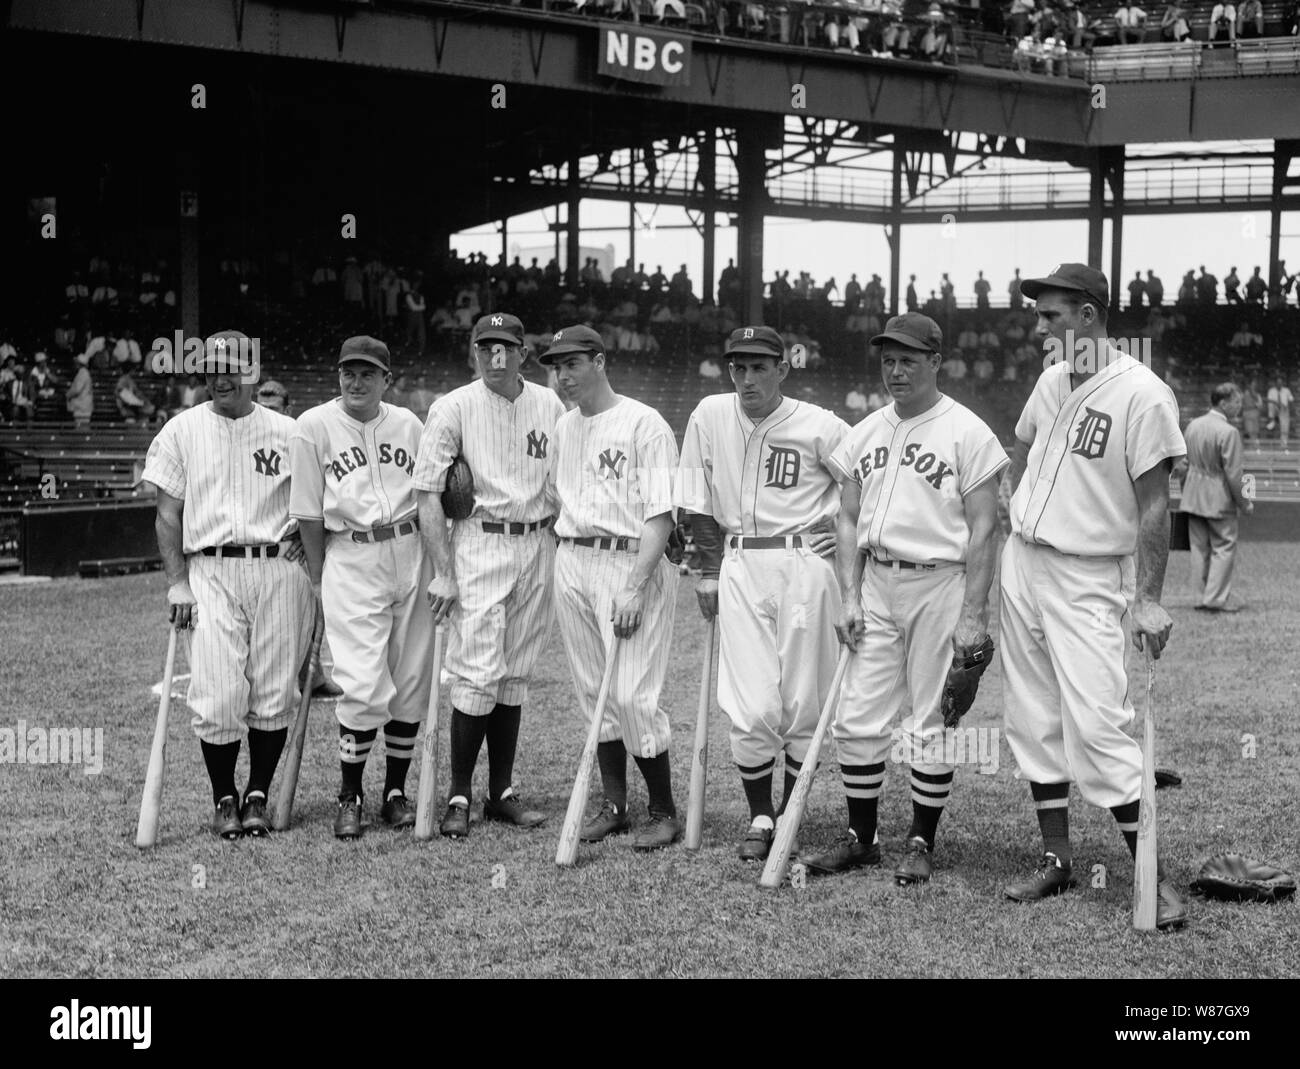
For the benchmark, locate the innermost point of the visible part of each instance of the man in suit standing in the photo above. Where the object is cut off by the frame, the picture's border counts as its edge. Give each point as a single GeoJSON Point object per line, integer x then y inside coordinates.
{"type": "Point", "coordinates": [1213, 496]}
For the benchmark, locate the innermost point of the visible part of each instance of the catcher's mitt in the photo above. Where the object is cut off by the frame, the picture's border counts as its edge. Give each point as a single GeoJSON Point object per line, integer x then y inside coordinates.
{"type": "Point", "coordinates": [1234, 878]}
{"type": "Point", "coordinates": [458, 497]}
{"type": "Point", "coordinates": [968, 664]}
{"type": "Point", "coordinates": [675, 550]}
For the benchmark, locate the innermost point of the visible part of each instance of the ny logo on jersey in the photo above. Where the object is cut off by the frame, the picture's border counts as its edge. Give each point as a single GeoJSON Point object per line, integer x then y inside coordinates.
{"type": "Point", "coordinates": [612, 463]}
{"type": "Point", "coordinates": [782, 468]}
{"type": "Point", "coordinates": [537, 444]}
{"type": "Point", "coordinates": [268, 462]}
{"type": "Point", "coordinates": [497, 321]}
{"type": "Point", "coordinates": [1091, 435]}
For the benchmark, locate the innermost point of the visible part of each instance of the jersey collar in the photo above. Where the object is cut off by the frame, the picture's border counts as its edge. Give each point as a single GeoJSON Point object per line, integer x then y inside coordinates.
{"type": "Point", "coordinates": [780, 412]}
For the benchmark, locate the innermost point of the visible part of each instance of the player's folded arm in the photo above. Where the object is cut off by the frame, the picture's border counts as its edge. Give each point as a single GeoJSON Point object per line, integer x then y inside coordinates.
{"type": "Point", "coordinates": [707, 537]}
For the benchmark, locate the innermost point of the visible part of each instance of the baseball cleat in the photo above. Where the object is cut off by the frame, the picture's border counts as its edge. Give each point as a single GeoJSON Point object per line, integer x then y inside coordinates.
{"type": "Point", "coordinates": [1171, 909]}
{"type": "Point", "coordinates": [253, 815]}
{"type": "Point", "coordinates": [398, 812]}
{"type": "Point", "coordinates": [845, 854]}
{"type": "Point", "coordinates": [455, 823]}
{"type": "Point", "coordinates": [756, 844]}
{"type": "Point", "coordinates": [510, 810]}
{"type": "Point", "coordinates": [347, 823]}
{"type": "Point", "coordinates": [663, 830]}
{"type": "Point", "coordinates": [915, 866]}
{"type": "Point", "coordinates": [225, 821]}
{"type": "Point", "coordinates": [1052, 878]}
{"type": "Point", "coordinates": [609, 821]}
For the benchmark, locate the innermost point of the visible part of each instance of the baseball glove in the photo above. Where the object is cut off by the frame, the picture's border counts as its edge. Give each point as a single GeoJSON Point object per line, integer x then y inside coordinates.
{"type": "Point", "coordinates": [968, 664]}
{"type": "Point", "coordinates": [1234, 878]}
{"type": "Point", "coordinates": [675, 550]}
{"type": "Point", "coordinates": [458, 497]}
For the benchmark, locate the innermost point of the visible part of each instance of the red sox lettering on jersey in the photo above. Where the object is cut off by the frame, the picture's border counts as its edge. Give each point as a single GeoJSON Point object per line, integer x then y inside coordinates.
{"type": "Point", "coordinates": [354, 459]}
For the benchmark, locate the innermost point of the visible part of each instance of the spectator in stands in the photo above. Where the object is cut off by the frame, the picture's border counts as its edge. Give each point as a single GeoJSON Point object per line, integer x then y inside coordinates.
{"type": "Point", "coordinates": [1293, 19]}
{"type": "Point", "coordinates": [1250, 15]}
{"type": "Point", "coordinates": [1223, 22]}
{"type": "Point", "coordinates": [932, 307]}
{"type": "Point", "coordinates": [1173, 23]}
{"type": "Point", "coordinates": [852, 294]}
{"type": "Point", "coordinates": [1130, 21]}
{"type": "Point", "coordinates": [710, 369]}
{"type": "Point", "coordinates": [21, 406]}
{"type": "Point", "coordinates": [1136, 291]}
{"type": "Point", "coordinates": [1071, 24]}
{"type": "Point", "coordinates": [1284, 284]}
{"type": "Point", "coordinates": [875, 296]}
{"type": "Point", "coordinates": [1013, 291]}
{"type": "Point", "coordinates": [1187, 291]}
{"type": "Point", "coordinates": [131, 403]}
{"type": "Point", "coordinates": [948, 292]}
{"type": "Point", "coordinates": [42, 383]}
{"type": "Point", "coordinates": [968, 338]}
{"type": "Point", "coordinates": [1252, 404]}
{"type": "Point", "coordinates": [1230, 287]}
{"type": "Point", "coordinates": [896, 37]}
{"type": "Point", "coordinates": [1013, 330]}
{"type": "Point", "coordinates": [1018, 17]}
{"type": "Point", "coordinates": [912, 303]}
{"type": "Point", "coordinates": [988, 338]}
{"type": "Point", "coordinates": [1280, 400]}
{"type": "Point", "coordinates": [1027, 53]}
{"type": "Point", "coordinates": [955, 366]}
{"type": "Point", "coordinates": [392, 291]}
{"type": "Point", "coordinates": [1256, 287]}
{"type": "Point", "coordinates": [875, 401]}
{"type": "Point", "coordinates": [934, 42]}
{"type": "Point", "coordinates": [76, 291]}
{"type": "Point", "coordinates": [1246, 343]}
{"type": "Point", "coordinates": [416, 334]}
{"type": "Point", "coordinates": [353, 291]}
{"type": "Point", "coordinates": [728, 286]}
{"type": "Point", "coordinates": [855, 402]}
{"type": "Point", "coordinates": [7, 379]}
{"type": "Point", "coordinates": [104, 293]}
{"type": "Point", "coordinates": [193, 393]}
{"type": "Point", "coordinates": [81, 392]}
{"type": "Point", "coordinates": [982, 288]}
{"type": "Point", "coordinates": [982, 369]}
{"type": "Point", "coordinates": [273, 395]}
{"type": "Point", "coordinates": [1207, 288]}
{"type": "Point", "coordinates": [420, 397]}
{"type": "Point", "coordinates": [1155, 290]}
{"type": "Point", "coordinates": [65, 335]}
{"type": "Point", "coordinates": [127, 350]}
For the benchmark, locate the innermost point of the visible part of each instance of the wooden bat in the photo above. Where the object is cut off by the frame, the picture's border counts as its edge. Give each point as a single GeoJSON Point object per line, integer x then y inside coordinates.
{"type": "Point", "coordinates": [429, 750]}
{"type": "Point", "coordinates": [1145, 879]}
{"type": "Point", "coordinates": [146, 832]}
{"type": "Point", "coordinates": [298, 736]}
{"type": "Point", "coordinates": [779, 856]}
{"type": "Point", "coordinates": [700, 757]}
{"type": "Point", "coordinates": [567, 853]}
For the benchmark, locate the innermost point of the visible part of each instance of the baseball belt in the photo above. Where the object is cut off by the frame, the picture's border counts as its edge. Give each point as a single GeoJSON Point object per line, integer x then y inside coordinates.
{"type": "Point", "coordinates": [388, 533]}
{"type": "Point", "coordinates": [272, 550]}
{"type": "Point", "coordinates": [765, 542]}
{"type": "Point", "coordinates": [630, 544]}
{"type": "Point", "coordinates": [905, 565]}
{"type": "Point", "coordinates": [492, 527]}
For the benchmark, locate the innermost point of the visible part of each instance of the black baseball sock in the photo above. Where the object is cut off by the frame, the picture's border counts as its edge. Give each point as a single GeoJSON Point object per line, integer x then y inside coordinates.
{"type": "Point", "coordinates": [612, 758]}
{"type": "Point", "coordinates": [792, 768]}
{"type": "Point", "coordinates": [658, 782]}
{"type": "Point", "coordinates": [264, 749]}
{"type": "Point", "coordinates": [757, 781]}
{"type": "Point", "coordinates": [354, 748]}
{"type": "Point", "coordinates": [399, 745]}
{"type": "Point", "coordinates": [1126, 816]}
{"type": "Point", "coordinates": [1051, 801]}
{"type": "Point", "coordinates": [220, 760]}
{"type": "Point", "coordinates": [862, 793]}
{"type": "Point", "coordinates": [466, 740]}
{"type": "Point", "coordinates": [502, 736]}
{"type": "Point", "coordinates": [930, 791]}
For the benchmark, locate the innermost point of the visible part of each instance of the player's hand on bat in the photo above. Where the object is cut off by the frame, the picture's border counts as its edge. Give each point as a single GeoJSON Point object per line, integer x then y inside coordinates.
{"type": "Point", "coordinates": [443, 594]}
{"type": "Point", "coordinates": [1151, 624]}
{"type": "Point", "coordinates": [182, 608]}
{"type": "Point", "coordinates": [626, 611]}
{"type": "Point", "coordinates": [706, 593]}
{"type": "Point", "coordinates": [851, 625]}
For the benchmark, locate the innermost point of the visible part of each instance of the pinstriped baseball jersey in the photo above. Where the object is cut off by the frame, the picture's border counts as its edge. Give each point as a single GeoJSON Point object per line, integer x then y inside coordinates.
{"type": "Point", "coordinates": [766, 478]}
{"type": "Point", "coordinates": [613, 470]}
{"type": "Point", "coordinates": [506, 444]}
{"type": "Point", "coordinates": [232, 474]}
{"type": "Point", "coordinates": [913, 474]}
{"type": "Point", "coordinates": [354, 475]}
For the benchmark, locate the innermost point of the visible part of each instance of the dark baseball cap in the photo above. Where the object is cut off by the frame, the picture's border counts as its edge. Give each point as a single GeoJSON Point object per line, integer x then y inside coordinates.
{"type": "Point", "coordinates": [1079, 277]}
{"type": "Point", "coordinates": [366, 349]}
{"type": "Point", "coordinates": [498, 327]}
{"type": "Point", "coordinates": [221, 352]}
{"type": "Point", "coordinates": [577, 339]}
{"type": "Point", "coordinates": [761, 341]}
{"type": "Point", "coordinates": [913, 330]}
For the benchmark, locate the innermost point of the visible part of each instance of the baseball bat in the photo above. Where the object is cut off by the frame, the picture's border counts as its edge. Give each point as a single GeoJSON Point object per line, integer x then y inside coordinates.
{"type": "Point", "coordinates": [146, 831]}
{"type": "Point", "coordinates": [1145, 878]}
{"type": "Point", "coordinates": [567, 853]}
{"type": "Point", "coordinates": [788, 827]}
{"type": "Point", "coordinates": [700, 757]}
{"type": "Point", "coordinates": [298, 736]}
{"type": "Point", "coordinates": [429, 749]}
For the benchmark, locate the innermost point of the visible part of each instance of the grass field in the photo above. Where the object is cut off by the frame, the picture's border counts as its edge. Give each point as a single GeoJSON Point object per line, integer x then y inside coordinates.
{"type": "Point", "coordinates": [81, 900]}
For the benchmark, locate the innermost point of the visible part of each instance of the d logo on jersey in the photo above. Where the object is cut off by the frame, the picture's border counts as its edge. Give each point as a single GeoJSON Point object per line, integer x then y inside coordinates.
{"type": "Point", "coordinates": [1092, 434]}
{"type": "Point", "coordinates": [267, 461]}
{"type": "Point", "coordinates": [612, 463]}
{"type": "Point", "coordinates": [537, 444]}
{"type": "Point", "coordinates": [782, 468]}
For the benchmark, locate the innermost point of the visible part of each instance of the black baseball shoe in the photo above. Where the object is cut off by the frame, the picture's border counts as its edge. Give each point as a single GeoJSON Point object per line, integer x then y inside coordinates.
{"type": "Point", "coordinates": [756, 844]}
{"type": "Point", "coordinates": [609, 821]}
{"type": "Point", "coordinates": [1171, 909]}
{"type": "Point", "coordinates": [915, 866]}
{"type": "Point", "coordinates": [347, 822]}
{"type": "Point", "coordinates": [253, 815]}
{"type": "Point", "coordinates": [662, 830]}
{"type": "Point", "coordinates": [510, 810]}
{"type": "Point", "coordinates": [844, 855]}
{"type": "Point", "coordinates": [398, 812]}
{"type": "Point", "coordinates": [1052, 878]}
{"type": "Point", "coordinates": [225, 821]}
{"type": "Point", "coordinates": [455, 823]}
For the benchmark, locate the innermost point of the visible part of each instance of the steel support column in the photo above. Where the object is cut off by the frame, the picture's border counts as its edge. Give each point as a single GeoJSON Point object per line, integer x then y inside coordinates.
{"type": "Point", "coordinates": [1096, 208]}
{"type": "Point", "coordinates": [573, 237]}
{"type": "Point", "coordinates": [709, 188]}
{"type": "Point", "coordinates": [751, 168]}
{"type": "Point", "coordinates": [895, 232]}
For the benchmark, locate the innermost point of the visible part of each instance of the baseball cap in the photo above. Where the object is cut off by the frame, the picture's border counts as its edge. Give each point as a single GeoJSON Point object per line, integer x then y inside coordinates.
{"type": "Point", "coordinates": [271, 388]}
{"type": "Point", "coordinates": [40, 357]}
{"type": "Point", "coordinates": [366, 349]}
{"type": "Point", "coordinates": [1080, 277]}
{"type": "Point", "coordinates": [577, 339]}
{"type": "Point", "coordinates": [498, 327]}
{"type": "Point", "coordinates": [914, 330]}
{"type": "Point", "coordinates": [221, 352]}
{"type": "Point", "coordinates": [763, 341]}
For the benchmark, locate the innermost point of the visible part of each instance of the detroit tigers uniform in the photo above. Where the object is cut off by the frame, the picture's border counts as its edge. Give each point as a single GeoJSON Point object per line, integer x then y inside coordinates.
{"type": "Point", "coordinates": [254, 606]}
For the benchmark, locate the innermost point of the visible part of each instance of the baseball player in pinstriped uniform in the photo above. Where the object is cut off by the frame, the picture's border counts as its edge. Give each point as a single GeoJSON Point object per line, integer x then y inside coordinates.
{"type": "Point", "coordinates": [915, 561]}
{"type": "Point", "coordinates": [1090, 472]}
{"type": "Point", "coordinates": [613, 470]}
{"type": "Point", "coordinates": [762, 502]}
{"type": "Point", "coordinates": [223, 526]}
{"type": "Point", "coordinates": [492, 573]}
{"type": "Point", "coordinates": [354, 499]}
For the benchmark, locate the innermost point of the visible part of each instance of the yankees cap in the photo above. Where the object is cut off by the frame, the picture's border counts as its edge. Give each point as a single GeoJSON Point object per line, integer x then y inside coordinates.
{"type": "Point", "coordinates": [221, 352]}
{"type": "Point", "coordinates": [763, 341]}
{"type": "Point", "coordinates": [577, 339]}
{"type": "Point", "coordinates": [913, 330]}
{"type": "Point", "coordinates": [1079, 277]}
{"type": "Point", "coordinates": [366, 349]}
{"type": "Point", "coordinates": [498, 327]}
